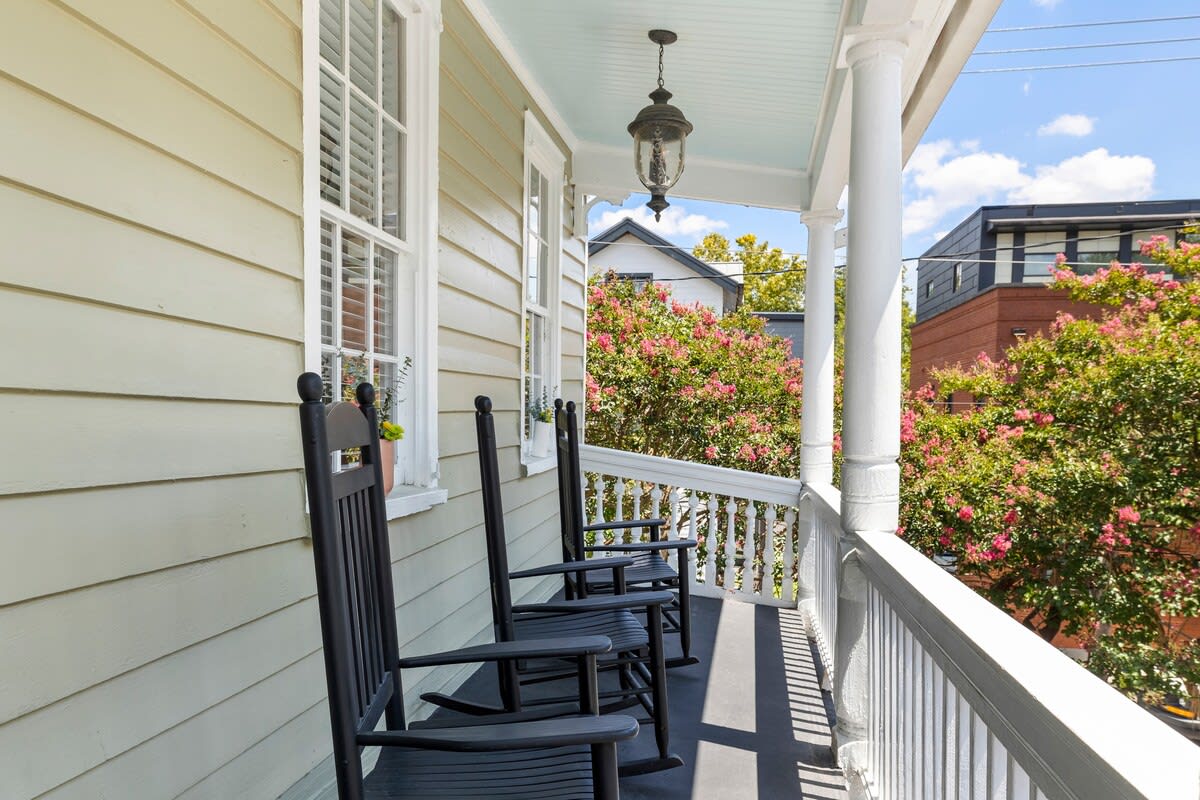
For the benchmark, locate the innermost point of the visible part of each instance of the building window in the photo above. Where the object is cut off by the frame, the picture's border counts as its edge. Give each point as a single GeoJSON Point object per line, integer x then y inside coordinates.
{"type": "Point", "coordinates": [373, 105]}
{"type": "Point", "coordinates": [1041, 253]}
{"type": "Point", "coordinates": [929, 290]}
{"type": "Point", "coordinates": [958, 272]}
{"type": "Point", "coordinates": [543, 224]}
{"type": "Point", "coordinates": [640, 280]}
{"type": "Point", "coordinates": [1096, 249]}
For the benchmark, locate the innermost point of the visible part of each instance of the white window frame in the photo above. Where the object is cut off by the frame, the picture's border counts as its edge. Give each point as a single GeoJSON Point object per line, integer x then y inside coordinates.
{"type": "Point", "coordinates": [423, 24]}
{"type": "Point", "coordinates": [544, 155]}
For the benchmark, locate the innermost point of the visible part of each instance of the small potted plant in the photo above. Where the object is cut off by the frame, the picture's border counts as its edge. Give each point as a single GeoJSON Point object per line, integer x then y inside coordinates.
{"type": "Point", "coordinates": [354, 372]}
{"type": "Point", "coordinates": [541, 426]}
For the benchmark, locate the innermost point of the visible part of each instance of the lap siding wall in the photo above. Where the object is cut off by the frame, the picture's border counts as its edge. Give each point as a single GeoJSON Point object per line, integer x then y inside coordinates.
{"type": "Point", "coordinates": [158, 630]}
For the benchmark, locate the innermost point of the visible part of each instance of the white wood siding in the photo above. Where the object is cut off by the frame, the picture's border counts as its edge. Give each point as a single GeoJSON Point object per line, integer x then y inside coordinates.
{"type": "Point", "coordinates": [629, 254]}
{"type": "Point", "coordinates": [158, 631]}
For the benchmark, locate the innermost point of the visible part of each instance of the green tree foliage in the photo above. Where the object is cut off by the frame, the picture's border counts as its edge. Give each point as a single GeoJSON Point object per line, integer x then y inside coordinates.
{"type": "Point", "coordinates": [1072, 495]}
{"type": "Point", "coordinates": [773, 281]}
{"type": "Point", "coordinates": [676, 380]}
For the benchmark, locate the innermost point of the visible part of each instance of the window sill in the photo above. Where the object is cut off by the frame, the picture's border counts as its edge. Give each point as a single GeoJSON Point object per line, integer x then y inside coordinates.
{"type": "Point", "coordinates": [535, 466]}
{"type": "Point", "coordinates": [406, 500]}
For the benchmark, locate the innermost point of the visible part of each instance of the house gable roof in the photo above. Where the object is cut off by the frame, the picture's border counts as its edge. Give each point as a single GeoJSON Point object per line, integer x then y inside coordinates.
{"type": "Point", "coordinates": [628, 227]}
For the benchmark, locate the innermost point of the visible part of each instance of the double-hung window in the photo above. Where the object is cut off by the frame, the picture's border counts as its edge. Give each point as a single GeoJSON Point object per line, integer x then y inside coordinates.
{"type": "Point", "coordinates": [542, 263]}
{"type": "Point", "coordinates": [371, 106]}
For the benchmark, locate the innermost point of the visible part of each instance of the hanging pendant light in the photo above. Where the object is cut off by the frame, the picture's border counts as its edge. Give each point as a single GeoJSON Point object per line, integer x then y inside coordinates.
{"type": "Point", "coordinates": [659, 131]}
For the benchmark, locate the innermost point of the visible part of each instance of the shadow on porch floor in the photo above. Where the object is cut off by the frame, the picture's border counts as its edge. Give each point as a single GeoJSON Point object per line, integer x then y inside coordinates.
{"type": "Point", "coordinates": [750, 720]}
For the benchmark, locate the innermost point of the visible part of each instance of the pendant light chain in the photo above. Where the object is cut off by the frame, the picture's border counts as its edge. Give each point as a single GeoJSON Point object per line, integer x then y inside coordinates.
{"type": "Point", "coordinates": [660, 65]}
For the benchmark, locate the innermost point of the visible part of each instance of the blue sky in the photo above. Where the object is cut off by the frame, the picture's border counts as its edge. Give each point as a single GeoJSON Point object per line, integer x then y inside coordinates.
{"type": "Point", "coordinates": [1105, 133]}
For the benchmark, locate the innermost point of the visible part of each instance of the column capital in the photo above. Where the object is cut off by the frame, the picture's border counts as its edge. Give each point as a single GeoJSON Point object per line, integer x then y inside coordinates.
{"type": "Point", "coordinates": [862, 42]}
{"type": "Point", "coordinates": [821, 216]}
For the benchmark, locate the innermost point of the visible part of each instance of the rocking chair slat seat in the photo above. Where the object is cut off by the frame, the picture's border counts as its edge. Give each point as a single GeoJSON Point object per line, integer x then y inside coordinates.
{"type": "Point", "coordinates": [563, 773]}
{"type": "Point", "coordinates": [647, 568]}
{"type": "Point", "coordinates": [621, 627]}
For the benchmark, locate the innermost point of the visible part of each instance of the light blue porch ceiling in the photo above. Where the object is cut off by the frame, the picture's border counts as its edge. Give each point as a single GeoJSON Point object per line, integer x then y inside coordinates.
{"type": "Point", "coordinates": [751, 75]}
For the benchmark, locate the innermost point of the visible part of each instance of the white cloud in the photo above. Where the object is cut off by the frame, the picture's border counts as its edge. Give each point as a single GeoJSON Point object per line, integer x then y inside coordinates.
{"type": "Point", "coordinates": [1026, 87]}
{"type": "Point", "coordinates": [1068, 125]}
{"type": "Point", "coordinates": [1046, 3]}
{"type": "Point", "coordinates": [944, 179]}
{"type": "Point", "coordinates": [1094, 176]}
{"type": "Point", "coordinates": [676, 222]}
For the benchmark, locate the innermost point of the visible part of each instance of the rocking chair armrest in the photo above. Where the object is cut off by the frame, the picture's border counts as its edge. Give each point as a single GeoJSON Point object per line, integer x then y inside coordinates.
{"type": "Point", "coordinates": [642, 547]}
{"type": "Point", "coordinates": [509, 736]}
{"type": "Point", "coordinates": [572, 566]}
{"type": "Point", "coordinates": [625, 524]}
{"type": "Point", "coordinates": [508, 651]}
{"type": "Point", "coordinates": [610, 602]}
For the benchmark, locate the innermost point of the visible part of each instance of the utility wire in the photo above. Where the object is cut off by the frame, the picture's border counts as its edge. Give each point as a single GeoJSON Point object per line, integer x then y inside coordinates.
{"type": "Point", "coordinates": [1084, 46]}
{"type": "Point", "coordinates": [1043, 67]}
{"type": "Point", "coordinates": [960, 256]}
{"type": "Point", "coordinates": [1090, 24]}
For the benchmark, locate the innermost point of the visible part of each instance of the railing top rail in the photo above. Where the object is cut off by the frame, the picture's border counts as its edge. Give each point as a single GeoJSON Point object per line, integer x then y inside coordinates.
{"type": "Point", "coordinates": [826, 496]}
{"type": "Point", "coordinates": [1076, 736]}
{"type": "Point", "coordinates": [690, 475]}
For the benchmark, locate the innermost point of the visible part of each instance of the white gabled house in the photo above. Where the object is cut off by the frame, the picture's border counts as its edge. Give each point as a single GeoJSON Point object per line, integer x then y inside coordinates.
{"type": "Point", "coordinates": [199, 199]}
{"type": "Point", "coordinates": [633, 252]}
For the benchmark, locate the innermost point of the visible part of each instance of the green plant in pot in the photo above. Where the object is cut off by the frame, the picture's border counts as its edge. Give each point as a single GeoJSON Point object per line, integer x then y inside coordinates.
{"type": "Point", "coordinates": [541, 426]}
{"type": "Point", "coordinates": [356, 370]}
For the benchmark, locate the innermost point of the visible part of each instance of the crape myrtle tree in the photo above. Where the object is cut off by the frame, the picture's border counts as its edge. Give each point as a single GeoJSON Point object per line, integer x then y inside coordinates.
{"type": "Point", "coordinates": [670, 379]}
{"type": "Point", "coordinates": [1071, 495]}
{"type": "Point", "coordinates": [675, 380]}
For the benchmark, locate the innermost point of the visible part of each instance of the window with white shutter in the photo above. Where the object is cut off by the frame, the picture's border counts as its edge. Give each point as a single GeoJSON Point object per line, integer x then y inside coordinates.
{"type": "Point", "coordinates": [375, 194]}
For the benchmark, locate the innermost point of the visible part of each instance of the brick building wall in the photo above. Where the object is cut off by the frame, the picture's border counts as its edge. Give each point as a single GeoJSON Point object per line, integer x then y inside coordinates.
{"type": "Point", "coordinates": [985, 324]}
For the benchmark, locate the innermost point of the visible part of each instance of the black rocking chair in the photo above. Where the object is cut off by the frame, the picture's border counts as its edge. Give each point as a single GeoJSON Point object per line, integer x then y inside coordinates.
{"type": "Point", "coordinates": [569, 758]}
{"type": "Point", "coordinates": [638, 656]}
{"type": "Point", "coordinates": [649, 571]}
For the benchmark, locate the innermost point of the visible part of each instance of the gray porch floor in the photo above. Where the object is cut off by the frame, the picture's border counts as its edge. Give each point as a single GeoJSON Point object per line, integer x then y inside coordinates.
{"type": "Point", "coordinates": [750, 720]}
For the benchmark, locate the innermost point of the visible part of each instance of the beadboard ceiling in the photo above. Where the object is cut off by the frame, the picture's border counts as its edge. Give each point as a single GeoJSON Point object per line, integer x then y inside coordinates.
{"type": "Point", "coordinates": [750, 75]}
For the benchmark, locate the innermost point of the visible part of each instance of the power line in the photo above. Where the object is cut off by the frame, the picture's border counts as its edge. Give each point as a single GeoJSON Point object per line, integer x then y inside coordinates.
{"type": "Point", "coordinates": [966, 254]}
{"type": "Point", "coordinates": [1090, 24]}
{"type": "Point", "coordinates": [1054, 48]}
{"type": "Point", "coordinates": [1042, 67]}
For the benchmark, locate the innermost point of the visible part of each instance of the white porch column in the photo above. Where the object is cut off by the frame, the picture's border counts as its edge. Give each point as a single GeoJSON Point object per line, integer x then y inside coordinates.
{"type": "Point", "coordinates": [871, 400]}
{"type": "Point", "coordinates": [816, 433]}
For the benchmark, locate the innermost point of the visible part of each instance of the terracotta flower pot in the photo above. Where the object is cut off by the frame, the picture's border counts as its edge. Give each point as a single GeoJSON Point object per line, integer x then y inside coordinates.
{"type": "Point", "coordinates": [387, 456]}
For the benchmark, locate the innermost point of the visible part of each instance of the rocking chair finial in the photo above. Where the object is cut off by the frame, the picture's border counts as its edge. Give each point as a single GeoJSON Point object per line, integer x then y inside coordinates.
{"type": "Point", "coordinates": [309, 387]}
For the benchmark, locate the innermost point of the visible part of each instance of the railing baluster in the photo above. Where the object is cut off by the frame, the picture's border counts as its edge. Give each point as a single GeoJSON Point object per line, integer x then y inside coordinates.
{"type": "Point", "coordinates": [730, 541]}
{"type": "Point", "coordinates": [693, 509]}
{"type": "Point", "coordinates": [598, 493]}
{"type": "Point", "coordinates": [787, 590]}
{"type": "Point", "coordinates": [673, 531]}
{"type": "Point", "coordinates": [656, 504]}
{"type": "Point", "coordinates": [619, 508]}
{"type": "Point", "coordinates": [710, 543]}
{"type": "Point", "coordinates": [636, 533]}
{"type": "Point", "coordinates": [767, 583]}
{"type": "Point", "coordinates": [749, 547]}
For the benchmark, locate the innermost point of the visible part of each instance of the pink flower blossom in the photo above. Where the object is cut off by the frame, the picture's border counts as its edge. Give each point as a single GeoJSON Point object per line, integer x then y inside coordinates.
{"type": "Point", "coordinates": [1127, 514]}
{"type": "Point", "coordinates": [710, 452]}
{"type": "Point", "coordinates": [966, 513]}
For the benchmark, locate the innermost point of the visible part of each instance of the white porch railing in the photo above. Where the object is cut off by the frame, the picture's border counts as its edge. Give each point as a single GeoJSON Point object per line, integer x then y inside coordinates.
{"type": "Point", "coordinates": [958, 700]}
{"type": "Point", "coordinates": [745, 523]}
{"type": "Point", "coordinates": [963, 702]}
